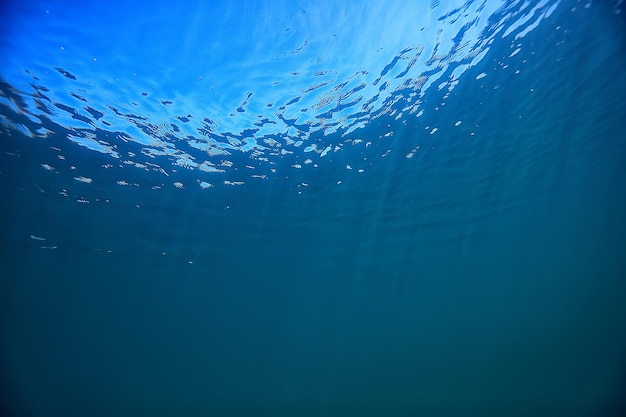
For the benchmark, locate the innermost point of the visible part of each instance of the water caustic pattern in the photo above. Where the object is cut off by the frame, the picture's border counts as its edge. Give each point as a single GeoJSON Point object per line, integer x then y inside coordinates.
{"type": "Point", "coordinates": [246, 93]}
{"type": "Point", "coordinates": [276, 208]}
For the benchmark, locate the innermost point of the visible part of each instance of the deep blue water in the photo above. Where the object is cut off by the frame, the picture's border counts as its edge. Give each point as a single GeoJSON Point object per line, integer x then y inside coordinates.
{"type": "Point", "coordinates": [169, 248]}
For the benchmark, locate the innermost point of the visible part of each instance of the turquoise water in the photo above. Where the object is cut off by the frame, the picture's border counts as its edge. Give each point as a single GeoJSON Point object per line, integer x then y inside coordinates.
{"type": "Point", "coordinates": [459, 249]}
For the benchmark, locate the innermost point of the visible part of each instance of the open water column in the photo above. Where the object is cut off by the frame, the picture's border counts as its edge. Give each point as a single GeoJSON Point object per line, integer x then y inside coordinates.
{"type": "Point", "coordinates": [292, 208]}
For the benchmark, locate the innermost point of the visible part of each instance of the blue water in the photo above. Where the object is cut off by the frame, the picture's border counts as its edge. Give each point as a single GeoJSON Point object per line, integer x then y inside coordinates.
{"type": "Point", "coordinates": [294, 209]}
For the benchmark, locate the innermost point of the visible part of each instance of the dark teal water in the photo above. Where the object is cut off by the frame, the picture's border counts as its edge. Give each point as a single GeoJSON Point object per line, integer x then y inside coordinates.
{"type": "Point", "coordinates": [486, 275]}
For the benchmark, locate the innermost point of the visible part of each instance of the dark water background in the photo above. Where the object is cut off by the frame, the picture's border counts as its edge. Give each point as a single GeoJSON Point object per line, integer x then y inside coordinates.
{"type": "Point", "coordinates": [484, 276]}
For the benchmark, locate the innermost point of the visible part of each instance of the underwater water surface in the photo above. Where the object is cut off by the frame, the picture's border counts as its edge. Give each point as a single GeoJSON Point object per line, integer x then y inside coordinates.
{"type": "Point", "coordinates": [313, 209]}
